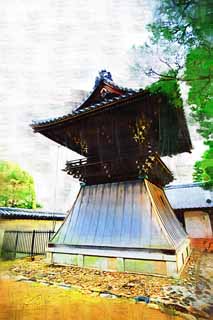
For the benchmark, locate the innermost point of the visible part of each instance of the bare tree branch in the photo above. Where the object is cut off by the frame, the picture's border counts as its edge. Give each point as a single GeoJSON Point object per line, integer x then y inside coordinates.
{"type": "Point", "coordinates": [152, 72]}
{"type": "Point", "coordinates": [166, 63]}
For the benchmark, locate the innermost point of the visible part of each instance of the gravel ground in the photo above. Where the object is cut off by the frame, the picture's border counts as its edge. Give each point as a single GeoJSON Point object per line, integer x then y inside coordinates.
{"type": "Point", "coordinates": [190, 294]}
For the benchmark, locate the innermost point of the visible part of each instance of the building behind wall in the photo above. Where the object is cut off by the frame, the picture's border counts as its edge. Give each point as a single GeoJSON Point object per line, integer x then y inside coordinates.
{"type": "Point", "coordinates": [193, 205]}
{"type": "Point", "coordinates": [18, 219]}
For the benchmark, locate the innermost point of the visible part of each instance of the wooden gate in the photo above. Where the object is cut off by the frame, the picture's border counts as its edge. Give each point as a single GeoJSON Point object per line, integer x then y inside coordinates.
{"type": "Point", "coordinates": [25, 243]}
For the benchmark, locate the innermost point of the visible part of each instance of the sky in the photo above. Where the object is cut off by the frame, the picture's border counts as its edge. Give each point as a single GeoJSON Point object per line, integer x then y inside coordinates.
{"type": "Point", "coordinates": [49, 51]}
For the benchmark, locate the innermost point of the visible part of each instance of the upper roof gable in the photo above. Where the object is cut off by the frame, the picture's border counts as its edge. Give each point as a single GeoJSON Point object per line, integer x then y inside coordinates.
{"type": "Point", "coordinates": [104, 90]}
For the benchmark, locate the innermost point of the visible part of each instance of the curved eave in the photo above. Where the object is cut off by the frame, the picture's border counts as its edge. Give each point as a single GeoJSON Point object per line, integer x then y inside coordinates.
{"type": "Point", "coordinates": [86, 112]}
{"type": "Point", "coordinates": [47, 127]}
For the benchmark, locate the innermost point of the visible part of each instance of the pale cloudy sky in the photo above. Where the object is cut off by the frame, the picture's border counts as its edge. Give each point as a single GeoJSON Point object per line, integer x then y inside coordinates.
{"type": "Point", "coordinates": [48, 48]}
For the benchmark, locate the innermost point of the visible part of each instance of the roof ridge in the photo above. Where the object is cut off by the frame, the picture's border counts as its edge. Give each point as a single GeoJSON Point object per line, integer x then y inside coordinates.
{"type": "Point", "coordinates": [29, 210]}
{"type": "Point", "coordinates": [111, 82]}
{"type": "Point", "coordinates": [185, 185]}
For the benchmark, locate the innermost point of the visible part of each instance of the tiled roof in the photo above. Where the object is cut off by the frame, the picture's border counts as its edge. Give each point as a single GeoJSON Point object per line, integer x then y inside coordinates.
{"type": "Point", "coordinates": [107, 97]}
{"type": "Point", "coordinates": [189, 196]}
{"type": "Point", "coordinates": [18, 213]}
{"type": "Point", "coordinates": [77, 111]}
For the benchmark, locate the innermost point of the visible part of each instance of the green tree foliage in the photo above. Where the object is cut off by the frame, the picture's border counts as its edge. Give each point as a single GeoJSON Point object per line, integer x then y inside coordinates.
{"type": "Point", "coordinates": [181, 36]}
{"type": "Point", "coordinates": [187, 22]}
{"type": "Point", "coordinates": [16, 187]}
{"type": "Point", "coordinates": [204, 168]}
{"type": "Point", "coordinates": [169, 87]}
{"type": "Point", "coordinates": [199, 73]}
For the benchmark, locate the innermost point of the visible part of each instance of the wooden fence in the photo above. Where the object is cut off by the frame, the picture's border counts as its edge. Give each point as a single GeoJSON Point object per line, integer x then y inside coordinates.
{"type": "Point", "coordinates": [25, 243]}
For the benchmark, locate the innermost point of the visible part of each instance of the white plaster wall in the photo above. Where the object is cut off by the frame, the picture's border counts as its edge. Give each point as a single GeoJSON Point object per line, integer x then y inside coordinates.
{"type": "Point", "coordinates": [198, 224]}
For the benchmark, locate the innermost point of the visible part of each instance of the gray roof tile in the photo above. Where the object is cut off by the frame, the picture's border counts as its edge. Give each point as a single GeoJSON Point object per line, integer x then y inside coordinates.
{"type": "Point", "coordinates": [94, 106]}
{"type": "Point", "coordinates": [189, 196]}
{"type": "Point", "coordinates": [29, 213]}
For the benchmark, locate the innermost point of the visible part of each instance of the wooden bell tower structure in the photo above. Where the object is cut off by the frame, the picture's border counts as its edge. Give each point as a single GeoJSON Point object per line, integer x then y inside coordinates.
{"type": "Point", "coordinates": [121, 219]}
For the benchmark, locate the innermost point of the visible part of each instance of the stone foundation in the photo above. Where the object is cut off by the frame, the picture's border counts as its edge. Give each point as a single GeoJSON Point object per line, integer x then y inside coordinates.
{"type": "Point", "coordinates": [134, 261]}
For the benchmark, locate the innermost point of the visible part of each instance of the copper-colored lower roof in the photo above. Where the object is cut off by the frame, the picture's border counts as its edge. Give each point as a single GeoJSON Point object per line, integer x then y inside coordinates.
{"type": "Point", "coordinates": [131, 214]}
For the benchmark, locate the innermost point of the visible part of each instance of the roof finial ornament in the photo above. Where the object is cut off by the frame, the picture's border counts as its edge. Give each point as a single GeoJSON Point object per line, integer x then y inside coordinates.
{"type": "Point", "coordinates": [103, 75]}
